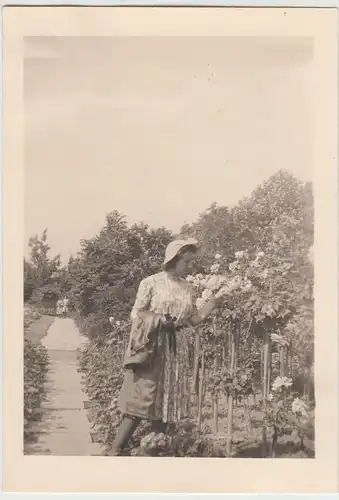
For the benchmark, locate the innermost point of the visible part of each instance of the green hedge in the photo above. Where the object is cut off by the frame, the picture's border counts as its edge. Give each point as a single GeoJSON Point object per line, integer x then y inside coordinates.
{"type": "Point", "coordinates": [35, 371]}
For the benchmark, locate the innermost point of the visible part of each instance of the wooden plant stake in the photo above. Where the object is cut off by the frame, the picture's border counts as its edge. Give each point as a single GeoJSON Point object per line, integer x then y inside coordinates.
{"type": "Point", "coordinates": [215, 372]}
{"type": "Point", "coordinates": [266, 362]}
{"type": "Point", "coordinates": [248, 414]}
{"type": "Point", "coordinates": [184, 388]}
{"type": "Point", "coordinates": [266, 381]}
{"type": "Point", "coordinates": [177, 383]}
{"type": "Point", "coordinates": [230, 400]}
{"type": "Point", "coordinates": [224, 355]}
{"type": "Point", "coordinates": [262, 369]}
{"type": "Point", "coordinates": [215, 415]}
{"type": "Point", "coordinates": [264, 441]}
{"type": "Point", "coordinates": [282, 353]}
{"type": "Point", "coordinates": [196, 366]}
{"type": "Point", "coordinates": [201, 389]}
{"type": "Point", "coordinates": [290, 361]}
{"type": "Point", "coordinates": [269, 368]}
{"type": "Point", "coordinates": [123, 347]}
{"type": "Point", "coordinates": [274, 442]}
{"type": "Point", "coordinates": [187, 381]}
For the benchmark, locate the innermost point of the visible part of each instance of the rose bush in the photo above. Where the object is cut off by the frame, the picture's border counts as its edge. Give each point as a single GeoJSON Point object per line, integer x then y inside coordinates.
{"type": "Point", "coordinates": [285, 413]}
{"type": "Point", "coordinates": [255, 258]}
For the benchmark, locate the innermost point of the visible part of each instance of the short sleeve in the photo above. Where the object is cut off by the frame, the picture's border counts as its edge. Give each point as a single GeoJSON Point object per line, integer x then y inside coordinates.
{"type": "Point", "coordinates": [143, 298]}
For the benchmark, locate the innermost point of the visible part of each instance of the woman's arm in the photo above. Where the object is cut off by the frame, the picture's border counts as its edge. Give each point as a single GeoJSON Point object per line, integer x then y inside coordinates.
{"type": "Point", "coordinates": [201, 314]}
{"type": "Point", "coordinates": [143, 298]}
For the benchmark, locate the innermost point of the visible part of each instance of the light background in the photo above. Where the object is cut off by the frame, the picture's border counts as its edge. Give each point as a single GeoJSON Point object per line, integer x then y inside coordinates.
{"type": "Point", "coordinates": [158, 127]}
{"type": "Point", "coordinates": [90, 474]}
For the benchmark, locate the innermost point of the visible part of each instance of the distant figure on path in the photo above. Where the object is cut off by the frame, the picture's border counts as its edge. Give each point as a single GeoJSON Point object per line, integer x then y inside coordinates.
{"type": "Point", "coordinates": [59, 306]}
{"type": "Point", "coordinates": [65, 304]}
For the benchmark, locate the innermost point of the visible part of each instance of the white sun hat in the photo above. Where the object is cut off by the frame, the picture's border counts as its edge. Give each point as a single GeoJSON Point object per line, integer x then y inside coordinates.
{"type": "Point", "coordinates": [175, 246]}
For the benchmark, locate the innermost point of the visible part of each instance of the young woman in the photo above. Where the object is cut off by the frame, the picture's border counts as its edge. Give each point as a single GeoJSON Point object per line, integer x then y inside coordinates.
{"type": "Point", "coordinates": [148, 391]}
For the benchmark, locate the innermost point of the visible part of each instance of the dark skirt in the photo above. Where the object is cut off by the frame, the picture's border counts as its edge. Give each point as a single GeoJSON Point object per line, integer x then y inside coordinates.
{"type": "Point", "coordinates": [152, 392]}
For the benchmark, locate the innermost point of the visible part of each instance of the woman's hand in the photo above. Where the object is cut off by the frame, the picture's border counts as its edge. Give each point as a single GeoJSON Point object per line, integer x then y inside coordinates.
{"type": "Point", "coordinates": [205, 310]}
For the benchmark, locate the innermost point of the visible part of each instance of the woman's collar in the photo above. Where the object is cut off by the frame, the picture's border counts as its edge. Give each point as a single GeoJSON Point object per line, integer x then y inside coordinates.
{"type": "Point", "coordinates": [172, 276]}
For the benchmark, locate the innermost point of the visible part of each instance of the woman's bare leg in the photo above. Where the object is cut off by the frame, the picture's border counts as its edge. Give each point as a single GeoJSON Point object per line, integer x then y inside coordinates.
{"type": "Point", "coordinates": [159, 426]}
{"type": "Point", "coordinates": [124, 434]}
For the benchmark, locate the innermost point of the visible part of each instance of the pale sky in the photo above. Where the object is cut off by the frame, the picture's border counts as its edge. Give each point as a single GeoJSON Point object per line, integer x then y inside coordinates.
{"type": "Point", "coordinates": [158, 128]}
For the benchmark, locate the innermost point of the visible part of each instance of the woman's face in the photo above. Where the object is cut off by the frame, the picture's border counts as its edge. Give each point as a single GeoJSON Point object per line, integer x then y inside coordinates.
{"type": "Point", "coordinates": [184, 263]}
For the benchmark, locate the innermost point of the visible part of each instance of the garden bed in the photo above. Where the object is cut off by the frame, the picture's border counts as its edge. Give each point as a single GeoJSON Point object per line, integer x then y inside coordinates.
{"type": "Point", "coordinates": [186, 438]}
{"type": "Point", "coordinates": [35, 367]}
{"type": "Point", "coordinates": [36, 325]}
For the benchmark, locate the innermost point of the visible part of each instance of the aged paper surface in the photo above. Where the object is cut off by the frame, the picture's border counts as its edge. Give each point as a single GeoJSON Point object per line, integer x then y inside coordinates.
{"type": "Point", "coordinates": [106, 474]}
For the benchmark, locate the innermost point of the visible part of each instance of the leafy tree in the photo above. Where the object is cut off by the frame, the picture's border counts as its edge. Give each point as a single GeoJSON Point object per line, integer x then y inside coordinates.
{"type": "Point", "coordinates": [105, 274]}
{"type": "Point", "coordinates": [41, 271]}
{"type": "Point", "coordinates": [276, 218]}
{"type": "Point", "coordinates": [42, 265]}
{"type": "Point", "coordinates": [29, 282]}
{"type": "Point", "coordinates": [279, 210]}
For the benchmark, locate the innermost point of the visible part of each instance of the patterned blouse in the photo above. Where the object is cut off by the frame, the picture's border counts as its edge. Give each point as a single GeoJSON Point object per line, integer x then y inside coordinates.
{"type": "Point", "coordinates": [165, 294]}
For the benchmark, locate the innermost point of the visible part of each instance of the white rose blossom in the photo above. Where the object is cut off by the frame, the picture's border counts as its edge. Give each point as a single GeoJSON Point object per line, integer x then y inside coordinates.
{"type": "Point", "coordinates": [298, 406]}
{"type": "Point", "coordinates": [233, 265]}
{"type": "Point", "coordinates": [281, 382]}
{"type": "Point", "coordinates": [215, 268]}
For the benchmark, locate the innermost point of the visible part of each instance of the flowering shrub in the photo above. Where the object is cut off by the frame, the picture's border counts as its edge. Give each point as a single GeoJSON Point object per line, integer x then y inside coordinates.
{"type": "Point", "coordinates": [154, 445]}
{"type": "Point", "coordinates": [35, 370]}
{"type": "Point", "coordinates": [284, 412]}
{"type": "Point", "coordinates": [101, 361]}
{"type": "Point", "coordinates": [248, 284]}
{"type": "Point", "coordinates": [238, 382]}
{"type": "Point", "coordinates": [177, 442]}
{"type": "Point", "coordinates": [260, 292]}
{"type": "Point", "coordinates": [35, 364]}
{"type": "Point", "coordinates": [30, 315]}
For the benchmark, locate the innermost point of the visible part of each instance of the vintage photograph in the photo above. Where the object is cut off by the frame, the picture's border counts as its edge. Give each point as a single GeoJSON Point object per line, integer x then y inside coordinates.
{"type": "Point", "coordinates": [168, 258]}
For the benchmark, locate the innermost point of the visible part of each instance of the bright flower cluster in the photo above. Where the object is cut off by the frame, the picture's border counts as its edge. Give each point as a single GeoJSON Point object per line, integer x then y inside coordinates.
{"type": "Point", "coordinates": [281, 382]}
{"type": "Point", "coordinates": [299, 407]}
{"type": "Point", "coordinates": [218, 285]}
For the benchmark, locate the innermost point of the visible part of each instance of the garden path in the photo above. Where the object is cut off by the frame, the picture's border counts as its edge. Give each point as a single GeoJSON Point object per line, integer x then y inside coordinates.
{"type": "Point", "coordinates": [64, 428]}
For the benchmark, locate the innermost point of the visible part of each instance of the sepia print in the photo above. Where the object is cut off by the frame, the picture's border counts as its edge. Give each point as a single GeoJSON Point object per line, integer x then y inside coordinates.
{"type": "Point", "coordinates": [172, 314]}
{"type": "Point", "coordinates": [170, 287]}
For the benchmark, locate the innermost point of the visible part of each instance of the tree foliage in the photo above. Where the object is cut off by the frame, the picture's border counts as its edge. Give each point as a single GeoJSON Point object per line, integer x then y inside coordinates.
{"type": "Point", "coordinates": [41, 272]}
{"type": "Point", "coordinates": [104, 276]}
{"type": "Point", "coordinates": [278, 212]}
